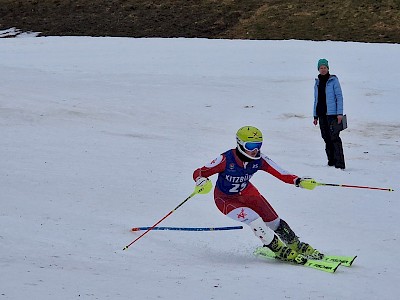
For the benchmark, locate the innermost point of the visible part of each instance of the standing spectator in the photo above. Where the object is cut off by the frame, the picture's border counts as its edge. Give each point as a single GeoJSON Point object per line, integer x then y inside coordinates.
{"type": "Point", "coordinates": [328, 109]}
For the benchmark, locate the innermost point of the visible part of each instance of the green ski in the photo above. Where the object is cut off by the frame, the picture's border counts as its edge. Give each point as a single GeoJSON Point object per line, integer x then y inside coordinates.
{"type": "Point", "coordinates": [326, 266]}
{"type": "Point", "coordinates": [346, 261]}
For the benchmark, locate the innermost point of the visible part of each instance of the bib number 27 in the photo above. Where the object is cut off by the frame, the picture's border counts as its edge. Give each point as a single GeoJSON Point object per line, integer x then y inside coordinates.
{"type": "Point", "coordinates": [238, 187]}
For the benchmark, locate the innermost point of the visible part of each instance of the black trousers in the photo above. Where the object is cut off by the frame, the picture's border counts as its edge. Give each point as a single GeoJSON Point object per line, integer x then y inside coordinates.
{"type": "Point", "coordinates": [333, 144]}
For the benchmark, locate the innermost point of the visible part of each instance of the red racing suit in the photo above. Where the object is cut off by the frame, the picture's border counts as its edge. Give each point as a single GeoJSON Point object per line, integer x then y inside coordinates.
{"type": "Point", "coordinates": [233, 189]}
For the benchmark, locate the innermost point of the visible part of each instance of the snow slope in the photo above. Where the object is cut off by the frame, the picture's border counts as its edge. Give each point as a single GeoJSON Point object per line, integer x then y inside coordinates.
{"type": "Point", "coordinates": [102, 134]}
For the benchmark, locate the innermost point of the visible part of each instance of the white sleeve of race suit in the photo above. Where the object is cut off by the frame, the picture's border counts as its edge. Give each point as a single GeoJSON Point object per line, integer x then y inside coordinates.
{"type": "Point", "coordinates": [274, 165]}
{"type": "Point", "coordinates": [215, 162]}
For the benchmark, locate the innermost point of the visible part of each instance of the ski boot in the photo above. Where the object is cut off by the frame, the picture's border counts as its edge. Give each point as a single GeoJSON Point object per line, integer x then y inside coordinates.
{"type": "Point", "coordinates": [306, 250]}
{"type": "Point", "coordinates": [285, 253]}
{"type": "Point", "coordinates": [292, 241]}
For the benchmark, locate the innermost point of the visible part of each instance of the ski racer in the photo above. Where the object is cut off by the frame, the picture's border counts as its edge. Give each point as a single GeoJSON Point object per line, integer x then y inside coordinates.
{"type": "Point", "coordinates": [236, 197]}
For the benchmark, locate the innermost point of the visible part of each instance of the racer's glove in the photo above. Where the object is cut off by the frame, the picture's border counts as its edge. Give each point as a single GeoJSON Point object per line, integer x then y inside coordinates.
{"type": "Point", "coordinates": [203, 185]}
{"type": "Point", "coordinates": [306, 183]}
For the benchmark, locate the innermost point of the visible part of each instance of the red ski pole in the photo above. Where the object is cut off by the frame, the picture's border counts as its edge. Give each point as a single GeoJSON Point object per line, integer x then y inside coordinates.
{"type": "Point", "coordinates": [198, 190]}
{"type": "Point", "coordinates": [356, 186]}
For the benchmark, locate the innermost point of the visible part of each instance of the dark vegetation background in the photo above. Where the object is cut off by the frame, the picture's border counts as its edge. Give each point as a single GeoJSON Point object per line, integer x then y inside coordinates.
{"type": "Point", "coordinates": [363, 21]}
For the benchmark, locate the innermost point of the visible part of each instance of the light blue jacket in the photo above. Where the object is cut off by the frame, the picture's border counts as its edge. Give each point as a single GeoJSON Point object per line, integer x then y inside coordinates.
{"type": "Point", "coordinates": [334, 96]}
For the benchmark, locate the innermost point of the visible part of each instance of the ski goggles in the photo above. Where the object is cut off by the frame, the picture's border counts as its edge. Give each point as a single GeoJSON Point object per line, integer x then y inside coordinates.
{"type": "Point", "coordinates": [251, 146]}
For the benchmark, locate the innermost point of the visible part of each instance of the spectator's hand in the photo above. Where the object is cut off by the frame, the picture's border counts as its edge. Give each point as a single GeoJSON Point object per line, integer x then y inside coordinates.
{"type": "Point", "coordinates": [315, 122]}
{"type": "Point", "coordinates": [339, 119]}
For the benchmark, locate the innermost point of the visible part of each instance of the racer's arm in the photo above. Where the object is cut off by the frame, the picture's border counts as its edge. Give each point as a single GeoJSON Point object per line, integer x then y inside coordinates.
{"type": "Point", "coordinates": [271, 167]}
{"type": "Point", "coordinates": [275, 170]}
{"type": "Point", "coordinates": [216, 166]}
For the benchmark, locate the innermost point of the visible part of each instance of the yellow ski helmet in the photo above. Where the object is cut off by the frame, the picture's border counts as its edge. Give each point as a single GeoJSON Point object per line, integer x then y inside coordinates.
{"type": "Point", "coordinates": [249, 138]}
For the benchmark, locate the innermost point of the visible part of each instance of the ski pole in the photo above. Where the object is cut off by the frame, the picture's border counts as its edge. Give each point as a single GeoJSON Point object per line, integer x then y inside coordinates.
{"type": "Point", "coordinates": [355, 186]}
{"type": "Point", "coordinates": [134, 229]}
{"type": "Point", "coordinates": [197, 190]}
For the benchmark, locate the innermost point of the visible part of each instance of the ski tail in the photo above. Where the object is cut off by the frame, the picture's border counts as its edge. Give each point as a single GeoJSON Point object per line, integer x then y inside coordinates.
{"type": "Point", "coordinates": [189, 228]}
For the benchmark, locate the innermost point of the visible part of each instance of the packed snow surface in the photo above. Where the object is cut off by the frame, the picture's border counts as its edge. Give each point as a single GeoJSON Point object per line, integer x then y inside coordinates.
{"type": "Point", "coordinates": [99, 135]}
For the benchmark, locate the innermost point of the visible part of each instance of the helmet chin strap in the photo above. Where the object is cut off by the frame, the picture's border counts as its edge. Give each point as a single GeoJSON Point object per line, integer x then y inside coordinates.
{"type": "Point", "coordinates": [239, 147]}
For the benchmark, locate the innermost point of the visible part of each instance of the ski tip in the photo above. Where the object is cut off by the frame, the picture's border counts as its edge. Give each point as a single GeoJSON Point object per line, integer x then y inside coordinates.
{"type": "Point", "coordinates": [135, 229]}
{"type": "Point", "coordinates": [338, 265]}
{"type": "Point", "coordinates": [351, 262]}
